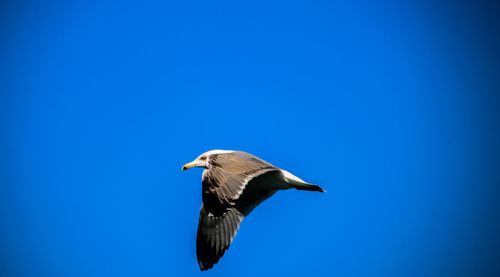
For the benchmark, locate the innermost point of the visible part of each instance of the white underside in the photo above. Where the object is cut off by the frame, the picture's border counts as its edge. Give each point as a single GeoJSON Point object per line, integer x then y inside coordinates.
{"type": "Point", "coordinates": [289, 177]}
{"type": "Point", "coordinates": [286, 180]}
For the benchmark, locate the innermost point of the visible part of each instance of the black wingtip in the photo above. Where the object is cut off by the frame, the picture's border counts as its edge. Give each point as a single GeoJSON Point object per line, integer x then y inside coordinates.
{"type": "Point", "coordinates": [204, 266]}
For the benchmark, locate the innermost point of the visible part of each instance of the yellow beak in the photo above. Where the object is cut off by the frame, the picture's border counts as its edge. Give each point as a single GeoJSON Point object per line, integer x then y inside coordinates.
{"type": "Point", "coordinates": [189, 165]}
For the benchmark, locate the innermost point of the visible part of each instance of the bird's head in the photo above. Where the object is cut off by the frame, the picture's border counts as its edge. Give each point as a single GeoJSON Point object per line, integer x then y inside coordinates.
{"type": "Point", "coordinates": [204, 159]}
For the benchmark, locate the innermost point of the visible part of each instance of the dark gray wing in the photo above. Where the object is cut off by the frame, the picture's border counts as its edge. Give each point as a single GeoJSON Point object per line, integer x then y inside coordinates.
{"type": "Point", "coordinates": [227, 177]}
{"type": "Point", "coordinates": [215, 233]}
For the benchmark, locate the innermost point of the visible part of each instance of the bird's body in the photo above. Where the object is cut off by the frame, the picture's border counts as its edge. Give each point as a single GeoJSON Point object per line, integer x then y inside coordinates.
{"type": "Point", "coordinates": [233, 184]}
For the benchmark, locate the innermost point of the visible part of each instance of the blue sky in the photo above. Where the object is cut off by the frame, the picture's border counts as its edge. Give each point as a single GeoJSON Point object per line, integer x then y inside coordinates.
{"type": "Point", "coordinates": [391, 107]}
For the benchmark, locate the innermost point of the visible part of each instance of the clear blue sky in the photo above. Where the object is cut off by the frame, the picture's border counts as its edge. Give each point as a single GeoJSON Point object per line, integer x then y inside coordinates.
{"type": "Point", "coordinates": [391, 107]}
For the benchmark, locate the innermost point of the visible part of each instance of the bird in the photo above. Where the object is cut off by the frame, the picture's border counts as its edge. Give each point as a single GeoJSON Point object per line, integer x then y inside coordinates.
{"type": "Point", "coordinates": [233, 184]}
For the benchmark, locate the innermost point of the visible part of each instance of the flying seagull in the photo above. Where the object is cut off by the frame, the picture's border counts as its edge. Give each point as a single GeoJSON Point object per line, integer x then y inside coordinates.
{"type": "Point", "coordinates": [233, 184]}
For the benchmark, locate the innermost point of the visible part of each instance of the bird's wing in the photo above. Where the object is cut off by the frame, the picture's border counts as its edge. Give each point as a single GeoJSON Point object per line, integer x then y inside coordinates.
{"type": "Point", "coordinates": [224, 182]}
{"type": "Point", "coordinates": [215, 234]}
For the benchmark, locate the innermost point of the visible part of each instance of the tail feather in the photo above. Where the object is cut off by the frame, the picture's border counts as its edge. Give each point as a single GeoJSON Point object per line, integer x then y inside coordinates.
{"type": "Point", "coordinates": [309, 187]}
{"type": "Point", "coordinates": [299, 184]}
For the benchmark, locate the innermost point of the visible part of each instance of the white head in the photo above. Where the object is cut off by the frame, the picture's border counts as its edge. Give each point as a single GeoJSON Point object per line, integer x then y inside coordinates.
{"type": "Point", "coordinates": [202, 160]}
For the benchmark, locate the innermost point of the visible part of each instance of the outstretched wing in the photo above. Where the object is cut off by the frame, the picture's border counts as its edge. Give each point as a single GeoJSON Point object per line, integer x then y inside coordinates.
{"type": "Point", "coordinates": [225, 180]}
{"type": "Point", "coordinates": [215, 234]}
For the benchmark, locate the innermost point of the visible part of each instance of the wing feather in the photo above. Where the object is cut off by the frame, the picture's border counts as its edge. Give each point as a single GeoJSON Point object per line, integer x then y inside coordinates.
{"type": "Point", "coordinates": [215, 234]}
{"type": "Point", "coordinates": [226, 178]}
{"type": "Point", "coordinates": [233, 186]}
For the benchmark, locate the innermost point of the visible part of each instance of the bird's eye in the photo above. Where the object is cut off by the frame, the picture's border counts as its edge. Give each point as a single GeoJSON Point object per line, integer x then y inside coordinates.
{"type": "Point", "coordinates": [203, 158]}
